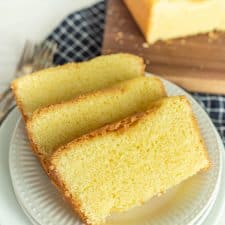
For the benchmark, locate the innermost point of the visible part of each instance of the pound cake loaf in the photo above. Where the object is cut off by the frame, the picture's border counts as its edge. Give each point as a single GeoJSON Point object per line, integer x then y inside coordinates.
{"type": "Point", "coordinates": [62, 83]}
{"type": "Point", "coordinates": [56, 125]}
{"type": "Point", "coordinates": [124, 164]}
{"type": "Point", "coordinates": [167, 19]}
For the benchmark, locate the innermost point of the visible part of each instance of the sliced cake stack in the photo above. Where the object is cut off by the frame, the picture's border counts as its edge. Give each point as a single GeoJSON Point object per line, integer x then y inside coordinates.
{"type": "Point", "coordinates": [107, 136]}
{"type": "Point", "coordinates": [56, 125]}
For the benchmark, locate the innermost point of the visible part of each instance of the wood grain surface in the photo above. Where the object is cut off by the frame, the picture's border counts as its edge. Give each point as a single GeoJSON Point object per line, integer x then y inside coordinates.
{"type": "Point", "coordinates": [196, 63]}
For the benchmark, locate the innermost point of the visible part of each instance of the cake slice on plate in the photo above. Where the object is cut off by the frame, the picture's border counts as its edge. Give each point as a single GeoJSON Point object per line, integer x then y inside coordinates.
{"type": "Point", "coordinates": [62, 83]}
{"type": "Point", "coordinates": [124, 164]}
{"type": "Point", "coordinates": [167, 19]}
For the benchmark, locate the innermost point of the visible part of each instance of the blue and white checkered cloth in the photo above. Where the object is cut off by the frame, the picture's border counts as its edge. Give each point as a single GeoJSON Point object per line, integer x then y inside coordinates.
{"type": "Point", "coordinates": [79, 38]}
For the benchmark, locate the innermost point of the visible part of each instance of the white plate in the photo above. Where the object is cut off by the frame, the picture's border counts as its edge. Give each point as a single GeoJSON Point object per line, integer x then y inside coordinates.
{"type": "Point", "coordinates": [11, 213]}
{"type": "Point", "coordinates": [184, 204]}
{"type": "Point", "coordinates": [32, 220]}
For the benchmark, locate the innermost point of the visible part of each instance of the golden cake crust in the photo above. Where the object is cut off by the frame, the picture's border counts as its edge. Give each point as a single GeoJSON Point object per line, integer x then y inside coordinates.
{"type": "Point", "coordinates": [18, 101]}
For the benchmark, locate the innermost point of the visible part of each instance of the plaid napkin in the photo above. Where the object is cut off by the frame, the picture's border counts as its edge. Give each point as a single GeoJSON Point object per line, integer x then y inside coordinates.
{"type": "Point", "coordinates": [79, 38]}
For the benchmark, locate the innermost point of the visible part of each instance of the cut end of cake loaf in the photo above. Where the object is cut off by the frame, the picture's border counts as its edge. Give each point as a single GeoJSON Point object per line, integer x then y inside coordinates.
{"type": "Point", "coordinates": [163, 19]}
{"type": "Point", "coordinates": [124, 164]}
{"type": "Point", "coordinates": [56, 125]}
{"type": "Point", "coordinates": [62, 83]}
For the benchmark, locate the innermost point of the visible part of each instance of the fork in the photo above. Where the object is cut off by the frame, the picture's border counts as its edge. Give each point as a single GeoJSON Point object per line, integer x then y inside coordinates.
{"type": "Point", "coordinates": [34, 57]}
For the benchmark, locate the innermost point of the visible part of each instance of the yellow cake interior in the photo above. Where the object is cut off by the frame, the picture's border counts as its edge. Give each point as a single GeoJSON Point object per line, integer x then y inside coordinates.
{"type": "Point", "coordinates": [123, 165]}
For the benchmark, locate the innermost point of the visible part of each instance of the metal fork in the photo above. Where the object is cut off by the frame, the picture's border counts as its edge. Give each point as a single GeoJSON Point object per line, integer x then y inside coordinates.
{"type": "Point", "coordinates": [33, 58]}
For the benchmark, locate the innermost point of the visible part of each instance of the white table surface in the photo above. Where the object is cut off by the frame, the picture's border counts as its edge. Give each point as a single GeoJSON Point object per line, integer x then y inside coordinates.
{"type": "Point", "coordinates": [34, 20]}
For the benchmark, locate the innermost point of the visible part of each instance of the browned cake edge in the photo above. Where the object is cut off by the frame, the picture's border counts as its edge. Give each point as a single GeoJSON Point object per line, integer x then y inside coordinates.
{"type": "Point", "coordinates": [35, 149]}
{"type": "Point", "coordinates": [141, 12]}
{"type": "Point", "coordinates": [74, 203]}
{"type": "Point", "coordinates": [120, 126]}
{"type": "Point", "coordinates": [14, 84]}
{"type": "Point", "coordinates": [197, 128]}
{"type": "Point", "coordinates": [18, 100]}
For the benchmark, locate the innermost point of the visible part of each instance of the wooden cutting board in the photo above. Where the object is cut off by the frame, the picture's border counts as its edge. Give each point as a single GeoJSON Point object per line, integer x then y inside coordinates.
{"type": "Point", "coordinates": [196, 63]}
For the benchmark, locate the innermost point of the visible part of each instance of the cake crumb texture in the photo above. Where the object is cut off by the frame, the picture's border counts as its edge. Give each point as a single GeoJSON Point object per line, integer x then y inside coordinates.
{"type": "Point", "coordinates": [124, 164]}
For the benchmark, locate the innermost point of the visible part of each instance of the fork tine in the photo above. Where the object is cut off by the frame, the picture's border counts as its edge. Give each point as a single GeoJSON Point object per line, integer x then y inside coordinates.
{"type": "Point", "coordinates": [37, 57]}
{"type": "Point", "coordinates": [23, 55]}
{"type": "Point", "coordinates": [46, 48]}
{"type": "Point", "coordinates": [26, 58]}
{"type": "Point", "coordinates": [45, 55]}
{"type": "Point", "coordinates": [33, 50]}
{"type": "Point", "coordinates": [49, 55]}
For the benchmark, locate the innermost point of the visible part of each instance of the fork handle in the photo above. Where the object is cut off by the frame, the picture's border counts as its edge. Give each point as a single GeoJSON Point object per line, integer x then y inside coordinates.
{"type": "Point", "coordinates": [5, 105]}
{"type": "Point", "coordinates": [5, 93]}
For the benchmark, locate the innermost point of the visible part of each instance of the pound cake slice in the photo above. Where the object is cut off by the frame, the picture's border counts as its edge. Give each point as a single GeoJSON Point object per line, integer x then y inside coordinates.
{"type": "Point", "coordinates": [56, 125]}
{"type": "Point", "coordinates": [124, 164]}
{"type": "Point", "coordinates": [62, 83]}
